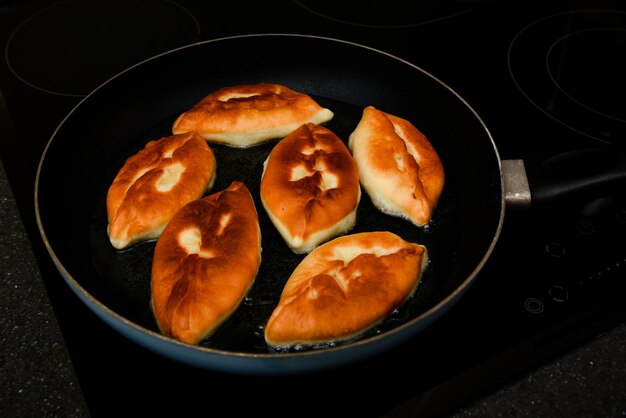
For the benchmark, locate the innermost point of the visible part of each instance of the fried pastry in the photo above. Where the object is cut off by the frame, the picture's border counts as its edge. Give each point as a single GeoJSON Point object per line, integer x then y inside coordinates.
{"type": "Point", "coordinates": [204, 263]}
{"type": "Point", "coordinates": [398, 166]}
{"type": "Point", "coordinates": [154, 183]}
{"type": "Point", "coordinates": [310, 187]}
{"type": "Point", "coordinates": [246, 115]}
{"type": "Point", "coordinates": [344, 287]}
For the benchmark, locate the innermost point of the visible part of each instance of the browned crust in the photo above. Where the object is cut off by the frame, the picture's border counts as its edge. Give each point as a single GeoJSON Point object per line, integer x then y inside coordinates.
{"type": "Point", "coordinates": [194, 292]}
{"type": "Point", "coordinates": [305, 210]}
{"type": "Point", "coordinates": [246, 115]}
{"type": "Point", "coordinates": [344, 287]}
{"type": "Point", "coordinates": [399, 182]}
{"type": "Point", "coordinates": [136, 209]}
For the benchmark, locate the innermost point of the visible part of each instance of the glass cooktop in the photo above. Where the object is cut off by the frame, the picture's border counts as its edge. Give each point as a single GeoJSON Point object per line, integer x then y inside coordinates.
{"type": "Point", "coordinates": [538, 74]}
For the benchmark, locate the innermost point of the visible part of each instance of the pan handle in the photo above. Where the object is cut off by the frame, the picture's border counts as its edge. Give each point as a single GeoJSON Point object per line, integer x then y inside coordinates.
{"type": "Point", "coordinates": [571, 177]}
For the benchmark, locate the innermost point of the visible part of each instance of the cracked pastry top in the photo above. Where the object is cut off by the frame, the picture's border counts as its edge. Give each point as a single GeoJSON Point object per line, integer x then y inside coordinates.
{"type": "Point", "coordinates": [205, 262]}
{"type": "Point", "coordinates": [344, 287]}
{"type": "Point", "coordinates": [310, 187]}
{"type": "Point", "coordinates": [398, 166]}
{"type": "Point", "coordinates": [154, 183]}
{"type": "Point", "coordinates": [246, 115]}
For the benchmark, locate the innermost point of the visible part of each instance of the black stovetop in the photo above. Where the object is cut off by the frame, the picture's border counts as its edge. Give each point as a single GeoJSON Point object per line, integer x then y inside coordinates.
{"type": "Point", "coordinates": [545, 78]}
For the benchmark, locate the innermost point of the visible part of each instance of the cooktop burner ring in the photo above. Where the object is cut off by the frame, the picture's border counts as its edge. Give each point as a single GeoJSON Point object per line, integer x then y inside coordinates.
{"type": "Point", "coordinates": [395, 21]}
{"type": "Point", "coordinates": [71, 47]}
{"type": "Point", "coordinates": [554, 77]}
{"type": "Point", "coordinates": [574, 86]}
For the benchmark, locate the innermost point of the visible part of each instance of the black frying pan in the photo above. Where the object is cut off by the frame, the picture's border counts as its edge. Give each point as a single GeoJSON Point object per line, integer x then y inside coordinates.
{"type": "Point", "coordinates": [140, 104]}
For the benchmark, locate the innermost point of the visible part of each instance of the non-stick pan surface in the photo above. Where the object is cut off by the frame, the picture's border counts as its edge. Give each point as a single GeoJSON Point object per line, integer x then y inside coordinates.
{"type": "Point", "coordinates": [140, 104]}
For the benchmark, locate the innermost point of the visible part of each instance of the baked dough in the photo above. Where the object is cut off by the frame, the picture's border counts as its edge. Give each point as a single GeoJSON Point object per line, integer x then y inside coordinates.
{"type": "Point", "coordinates": [345, 287]}
{"type": "Point", "coordinates": [310, 187]}
{"type": "Point", "coordinates": [246, 115]}
{"type": "Point", "coordinates": [154, 183]}
{"type": "Point", "coordinates": [204, 263]}
{"type": "Point", "coordinates": [398, 166]}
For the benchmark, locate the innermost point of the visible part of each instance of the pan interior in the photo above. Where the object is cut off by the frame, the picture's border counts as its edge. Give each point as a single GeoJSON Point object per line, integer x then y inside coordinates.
{"type": "Point", "coordinates": [140, 105]}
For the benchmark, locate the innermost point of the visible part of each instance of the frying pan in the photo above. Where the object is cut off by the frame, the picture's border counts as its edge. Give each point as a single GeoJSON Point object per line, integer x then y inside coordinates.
{"type": "Point", "coordinates": [140, 104]}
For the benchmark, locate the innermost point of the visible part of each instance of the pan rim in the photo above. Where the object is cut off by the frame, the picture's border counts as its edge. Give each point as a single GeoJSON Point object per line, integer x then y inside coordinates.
{"type": "Point", "coordinates": [400, 332]}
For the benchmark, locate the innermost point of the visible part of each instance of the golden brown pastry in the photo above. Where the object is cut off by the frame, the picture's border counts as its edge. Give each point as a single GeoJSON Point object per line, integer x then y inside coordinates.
{"type": "Point", "coordinates": [246, 115]}
{"type": "Point", "coordinates": [310, 187]}
{"type": "Point", "coordinates": [398, 166]}
{"type": "Point", "coordinates": [345, 287]}
{"type": "Point", "coordinates": [154, 183]}
{"type": "Point", "coordinates": [205, 262]}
